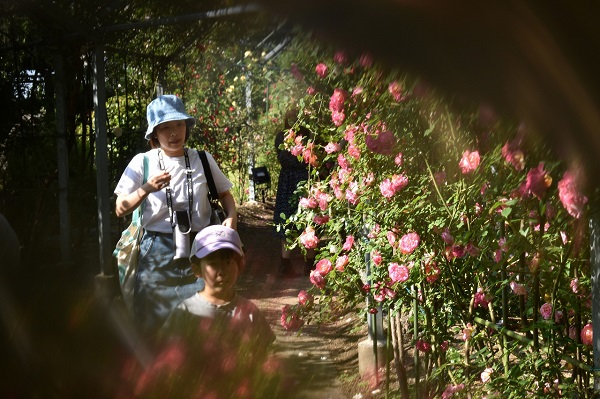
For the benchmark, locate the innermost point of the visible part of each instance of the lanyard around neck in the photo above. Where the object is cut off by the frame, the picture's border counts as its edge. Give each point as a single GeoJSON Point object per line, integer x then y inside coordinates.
{"type": "Point", "coordinates": [188, 172]}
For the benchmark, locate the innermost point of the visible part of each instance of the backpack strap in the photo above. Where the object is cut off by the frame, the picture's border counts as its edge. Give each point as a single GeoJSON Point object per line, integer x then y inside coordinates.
{"type": "Point", "coordinates": [139, 211]}
{"type": "Point", "coordinates": [212, 189]}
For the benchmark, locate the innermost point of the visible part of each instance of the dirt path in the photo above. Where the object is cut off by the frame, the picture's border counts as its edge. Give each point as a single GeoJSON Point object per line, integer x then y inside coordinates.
{"type": "Point", "coordinates": [311, 357]}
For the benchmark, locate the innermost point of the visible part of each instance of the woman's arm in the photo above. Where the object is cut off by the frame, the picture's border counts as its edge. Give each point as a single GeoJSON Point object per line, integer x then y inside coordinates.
{"type": "Point", "coordinates": [126, 203]}
{"type": "Point", "coordinates": [228, 203]}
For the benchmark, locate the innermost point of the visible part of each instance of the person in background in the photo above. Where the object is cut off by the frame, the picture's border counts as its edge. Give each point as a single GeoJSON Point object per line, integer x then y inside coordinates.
{"type": "Point", "coordinates": [176, 207]}
{"type": "Point", "coordinates": [292, 173]}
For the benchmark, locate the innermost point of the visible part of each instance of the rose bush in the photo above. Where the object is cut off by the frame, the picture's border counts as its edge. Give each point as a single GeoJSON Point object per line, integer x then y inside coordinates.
{"type": "Point", "coordinates": [429, 209]}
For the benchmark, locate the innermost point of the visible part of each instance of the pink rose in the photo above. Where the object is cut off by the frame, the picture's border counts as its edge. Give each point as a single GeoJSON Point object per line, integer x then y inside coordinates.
{"type": "Point", "coordinates": [570, 196]}
{"type": "Point", "coordinates": [304, 298]}
{"type": "Point", "coordinates": [423, 346]}
{"type": "Point", "coordinates": [309, 203]}
{"type": "Point", "coordinates": [340, 57]}
{"type": "Point", "coordinates": [341, 262]}
{"type": "Point", "coordinates": [518, 289]}
{"type": "Point", "coordinates": [587, 335]}
{"type": "Point", "coordinates": [447, 237]}
{"type": "Point", "coordinates": [469, 161]}
{"type": "Point", "coordinates": [480, 299]}
{"type": "Point", "coordinates": [323, 267]}
{"type": "Point", "coordinates": [399, 182]}
{"type": "Point", "coordinates": [396, 91]}
{"type": "Point", "coordinates": [322, 70]}
{"type": "Point", "coordinates": [317, 279]}
{"type": "Point", "coordinates": [398, 273]}
{"type": "Point", "coordinates": [409, 242]}
{"type": "Point", "coordinates": [309, 239]}
{"type": "Point", "coordinates": [382, 142]}
{"type": "Point", "coordinates": [290, 319]}
{"type": "Point", "coordinates": [537, 181]}
{"type": "Point", "coordinates": [330, 148]}
{"type": "Point", "coordinates": [546, 311]}
{"type": "Point", "coordinates": [348, 243]}
{"type": "Point", "coordinates": [321, 219]}
{"type": "Point", "coordinates": [376, 257]}
{"type": "Point", "coordinates": [366, 61]}
{"type": "Point", "coordinates": [387, 189]}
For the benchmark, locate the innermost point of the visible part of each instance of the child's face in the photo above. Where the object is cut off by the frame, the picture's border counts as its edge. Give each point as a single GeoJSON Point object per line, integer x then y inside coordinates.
{"type": "Point", "coordinates": [220, 271]}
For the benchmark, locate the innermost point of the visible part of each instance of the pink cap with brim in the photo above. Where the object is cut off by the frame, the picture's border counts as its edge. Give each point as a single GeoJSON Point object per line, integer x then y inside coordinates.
{"type": "Point", "coordinates": [213, 238]}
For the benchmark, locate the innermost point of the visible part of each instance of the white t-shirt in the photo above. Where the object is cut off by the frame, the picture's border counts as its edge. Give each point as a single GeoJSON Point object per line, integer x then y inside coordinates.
{"type": "Point", "coordinates": [156, 213]}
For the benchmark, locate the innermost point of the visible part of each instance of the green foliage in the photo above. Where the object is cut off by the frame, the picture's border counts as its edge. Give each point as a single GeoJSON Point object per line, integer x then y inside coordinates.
{"type": "Point", "coordinates": [482, 197]}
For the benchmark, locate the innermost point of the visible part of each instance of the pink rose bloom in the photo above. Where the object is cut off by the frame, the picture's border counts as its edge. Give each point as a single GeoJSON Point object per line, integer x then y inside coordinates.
{"type": "Point", "coordinates": [399, 160]}
{"type": "Point", "coordinates": [321, 219]}
{"type": "Point", "coordinates": [570, 197]}
{"type": "Point", "coordinates": [309, 239]}
{"type": "Point", "coordinates": [366, 61]}
{"type": "Point", "coordinates": [376, 257]}
{"type": "Point", "coordinates": [432, 271]}
{"type": "Point", "coordinates": [374, 231]}
{"type": "Point", "coordinates": [321, 70]}
{"type": "Point", "coordinates": [518, 289]}
{"type": "Point", "coordinates": [480, 299]}
{"type": "Point", "coordinates": [290, 319]}
{"type": "Point", "coordinates": [357, 90]}
{"type": "Point", "coordinates": [451, 389]}
{"type": "Point", "coordinates": [348, 243]}
{"type": "Point", "coordinates": [311, 90]}
{"type": "Point", "coordinates": [341, 263]}
{"type": "Point", "coordinates": [330, 148]}
{"type": "Point", "coordinates": [340, 57]}
{"type": "Point", "coordinates": [317, 279]}
{"type": "Point", "coordinates": [472, 250]}
{"type": "Point", "coordinates": [381, 142]}
{"type": "Point", "coordinates": [538, 181]}
{"type": "Point", "coordinates": [486, 374]}
{"type": "Point", "coordinates": [497, 255]}
{"type": "Point", "coordinates": [398, 273]}
{"type": "Point", "coordinates": [469, 161]}
{"type": "Point", "coordinates": [447, 237]}
{"type": "Point", "coordinates": [324, 267]}
{"type": "Point", "coordinates": [587, 335]}
{"type": "Point", "coordinates": [336, 102]}
{"type": "Point", "coordinates": [392, 239]}
{"type": "Point", "coordinates": [444, 346]}
{"type": "Point", "coordinates": [546, 311]}
{"type": "Point", "coordinates": [399, 182]}
{"type": "Point", "coordinates": [396, 91]}
{"type": "Point", "coordinates": [387, 189]}
{"type": "Point", "coordinates": [458, 251]}
{"type": "Point", "coordinates": [297, 149]}
{"type": "Point", "coordinates": [409, 242]}
{"type": "Point", "coordinates": [309, 203]}
{"type": "Point", "coordinates": [423, 346]}
{"type": "Point", "coordinates": [558, 316]}
{"type": "Point", "coordinates": [369, 179]}
{"type": "Point", "coordinates": [337, 118]}
{"type": "Point", "coordinates": [513, 154]}
{"type": "Point", "coordinates": [575, 285]}
{"type": "Point", "coordinates": [304, 298]}
{"type": "Point", "coordinates": [342, 161]}
{"type": "Point", "coordinates": [352, 193]}
{"type": "Point", "coordinates": [354, 151]}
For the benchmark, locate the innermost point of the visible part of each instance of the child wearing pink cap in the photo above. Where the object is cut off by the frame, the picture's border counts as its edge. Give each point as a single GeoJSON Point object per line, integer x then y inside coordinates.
{"type": "Point", "coordinates": [226, 336]}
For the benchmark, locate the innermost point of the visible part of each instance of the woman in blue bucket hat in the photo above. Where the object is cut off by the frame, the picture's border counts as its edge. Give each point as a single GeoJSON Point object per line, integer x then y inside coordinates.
{"type": "Point", "coordinates": [175, 207]}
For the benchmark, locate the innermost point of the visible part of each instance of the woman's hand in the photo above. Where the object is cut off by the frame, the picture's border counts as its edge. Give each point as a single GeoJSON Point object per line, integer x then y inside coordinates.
{"type": "Point", "coordinates": [157, 182]}
{"type": "Point", "coordinates": [127, 203]}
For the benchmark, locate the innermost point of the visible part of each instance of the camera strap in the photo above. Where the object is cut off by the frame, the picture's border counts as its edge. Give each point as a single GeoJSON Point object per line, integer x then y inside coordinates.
{"type": "Point", "coordinates": [169, 193]}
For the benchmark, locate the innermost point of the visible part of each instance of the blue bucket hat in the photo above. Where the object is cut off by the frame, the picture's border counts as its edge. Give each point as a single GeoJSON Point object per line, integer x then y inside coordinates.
{"type": "Point", "coordinates": [164, 109]}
